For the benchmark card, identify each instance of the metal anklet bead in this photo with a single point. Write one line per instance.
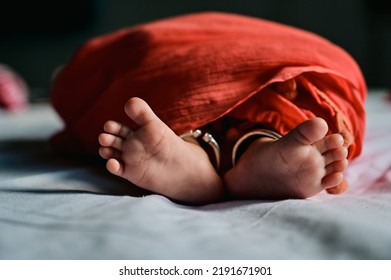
(243, 142)
(208, 139)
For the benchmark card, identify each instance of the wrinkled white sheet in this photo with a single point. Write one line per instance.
(53, 207)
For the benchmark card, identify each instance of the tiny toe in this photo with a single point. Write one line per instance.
(330, 142)
(340, 188)
(116, 128)
(337, 166)
(332, 180)
(114, 167)
(335, 155)
(104, 152)
(109, 140)
(107, 153)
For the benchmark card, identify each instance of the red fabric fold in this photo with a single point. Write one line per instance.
(194, 69)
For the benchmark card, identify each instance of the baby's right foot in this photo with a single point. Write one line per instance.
(153, 157)
(299, 165)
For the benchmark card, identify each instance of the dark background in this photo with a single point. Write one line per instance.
(38, 36)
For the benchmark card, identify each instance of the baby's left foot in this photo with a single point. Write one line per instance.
(299, 165)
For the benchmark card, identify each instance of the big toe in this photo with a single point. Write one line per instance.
(309, 132)
(139, 111)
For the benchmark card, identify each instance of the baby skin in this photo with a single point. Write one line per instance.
(301, 164)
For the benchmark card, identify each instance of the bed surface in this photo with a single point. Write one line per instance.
(54, 207)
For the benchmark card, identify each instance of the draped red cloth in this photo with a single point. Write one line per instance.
(196, 68)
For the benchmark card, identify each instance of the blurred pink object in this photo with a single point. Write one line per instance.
(13, 90)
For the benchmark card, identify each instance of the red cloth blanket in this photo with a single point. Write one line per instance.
(194, 69)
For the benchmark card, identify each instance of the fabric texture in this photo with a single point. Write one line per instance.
(195, 69)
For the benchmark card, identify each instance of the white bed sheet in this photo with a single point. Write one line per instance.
(57, 208)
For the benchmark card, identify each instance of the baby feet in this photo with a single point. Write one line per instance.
(153, 157)
(299, 165)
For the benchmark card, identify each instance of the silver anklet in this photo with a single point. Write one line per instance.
(243, 142)
(207, 138)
